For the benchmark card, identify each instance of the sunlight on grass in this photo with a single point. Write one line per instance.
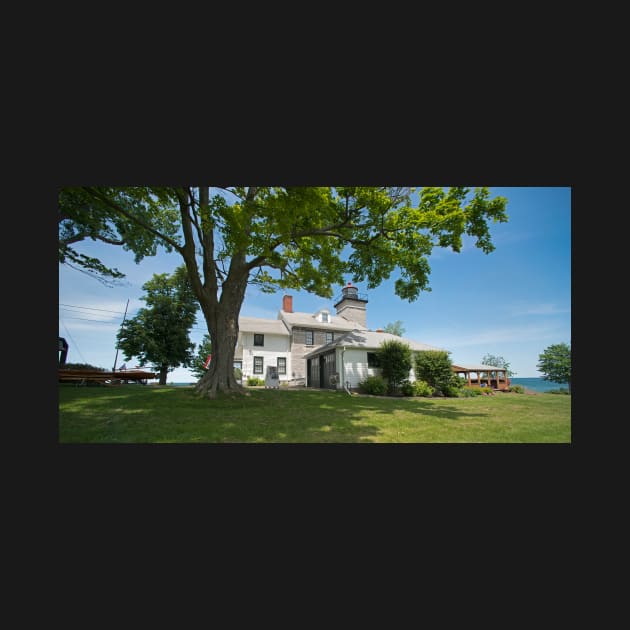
(176, 415)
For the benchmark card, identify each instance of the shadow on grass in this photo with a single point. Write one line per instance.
(176, 415)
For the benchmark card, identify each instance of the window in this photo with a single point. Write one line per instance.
(325, 317)
(309, 338)
(282, 365)
(258, 365)
(329, 337)
(373, 360)
(259, 340)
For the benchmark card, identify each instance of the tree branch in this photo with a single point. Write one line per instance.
(96, 194)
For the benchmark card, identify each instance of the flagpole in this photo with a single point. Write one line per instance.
(123, 321)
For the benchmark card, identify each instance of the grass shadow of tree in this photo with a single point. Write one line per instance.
(177, 415)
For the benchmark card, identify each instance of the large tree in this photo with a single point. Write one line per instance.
(81, 217)
(500, 362)
(159, 334)
(301, 238)
(555, 363)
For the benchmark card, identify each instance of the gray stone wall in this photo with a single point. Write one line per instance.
(299, 348)
(352, 312)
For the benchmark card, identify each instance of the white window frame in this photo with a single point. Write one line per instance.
(262, 365)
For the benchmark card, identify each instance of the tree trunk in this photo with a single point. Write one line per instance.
(163, 373)
(219, 376)
(222, 325)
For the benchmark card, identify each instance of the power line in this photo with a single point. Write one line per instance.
(105, 321)
(97, 321)
(89, 308)
(76, 312)
(73, 341)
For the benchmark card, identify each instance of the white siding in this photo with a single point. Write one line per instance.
(273, 343)
(275, 346)
(356, 367)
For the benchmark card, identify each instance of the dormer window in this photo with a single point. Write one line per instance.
(324, 317)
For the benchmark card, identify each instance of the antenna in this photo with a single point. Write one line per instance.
(123, 321)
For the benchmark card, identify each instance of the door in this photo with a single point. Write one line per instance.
(327, 367)
(312, 372)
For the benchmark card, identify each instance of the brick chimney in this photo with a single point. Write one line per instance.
(287, 303)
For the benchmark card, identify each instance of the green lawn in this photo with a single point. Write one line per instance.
(137, 414)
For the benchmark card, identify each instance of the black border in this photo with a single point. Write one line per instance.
(247, 153)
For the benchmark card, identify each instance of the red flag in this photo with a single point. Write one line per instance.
(207, 363)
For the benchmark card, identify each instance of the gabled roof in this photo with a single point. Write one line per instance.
(370, 341)
(309, 320)
(260, 325)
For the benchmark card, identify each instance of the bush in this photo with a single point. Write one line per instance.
(562, 390)
(81, 366)
(422, 388)
(407, 389)
(517, 389)
(451, 392)
(394, 358)
(253, 381)
(435, 367)
(471, 390)
(374, 385)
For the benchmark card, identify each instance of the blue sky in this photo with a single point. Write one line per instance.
(512, 303)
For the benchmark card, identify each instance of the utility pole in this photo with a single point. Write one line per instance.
(123, 321)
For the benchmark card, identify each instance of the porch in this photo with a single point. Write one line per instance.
(484, 376)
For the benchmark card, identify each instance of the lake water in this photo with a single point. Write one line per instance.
(537, 384)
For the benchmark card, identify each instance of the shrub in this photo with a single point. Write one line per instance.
(471, 390)
(395, 361)
(422, 388)
(517, 389)
(435, 367)
(561, 390)
(81, 366)
(450, 391)
(407, 388)
(374, 385)
(253, 381)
